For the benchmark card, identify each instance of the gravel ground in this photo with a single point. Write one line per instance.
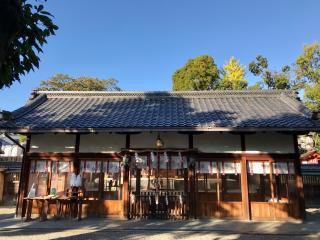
(97, 229)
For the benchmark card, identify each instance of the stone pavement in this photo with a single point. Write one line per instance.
(115, 228)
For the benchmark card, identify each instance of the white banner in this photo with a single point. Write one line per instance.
(229, 167)
(207, 167)
(140, 161)
(42, 166)
(113, 167)
(90, 166)
(178, 162)
(163, 161)
(283, 168)
(258, 167)
(64, 167)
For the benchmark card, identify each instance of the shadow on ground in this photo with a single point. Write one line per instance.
(107, 228)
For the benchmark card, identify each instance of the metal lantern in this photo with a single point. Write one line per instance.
(159, 142)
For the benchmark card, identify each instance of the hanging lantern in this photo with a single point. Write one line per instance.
(159, 142)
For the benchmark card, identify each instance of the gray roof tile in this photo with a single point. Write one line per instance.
(203, 110)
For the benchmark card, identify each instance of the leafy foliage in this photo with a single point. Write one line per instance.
(308, 71)
(270, 79)
(256, 86)
(20, 44)
(200, 73)
(233, 76)
(22, 139)
(63, 82)
(308, 64)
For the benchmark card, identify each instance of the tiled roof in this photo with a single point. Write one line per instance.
(10, 164)
(139, 111)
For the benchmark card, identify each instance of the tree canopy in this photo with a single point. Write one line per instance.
(233, 76)
(270, 79)
(308, 71)
(24, 29)
(63, 82)
(200, 73)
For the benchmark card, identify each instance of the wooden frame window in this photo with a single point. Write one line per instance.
(49, 177)
(38, 178)
(90, 171)
(112, 180)
(60, 177)
(165, 171)
(230, 175)
(283, 179)
(259, 184)
(221, 179)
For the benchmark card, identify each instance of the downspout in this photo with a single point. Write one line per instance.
(15, 142)
(22, 169)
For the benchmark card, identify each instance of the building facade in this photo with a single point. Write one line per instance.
(218, 154)
(10, 167)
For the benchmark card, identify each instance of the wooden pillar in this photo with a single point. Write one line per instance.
(191, 178)
(272, 189)
(24, 179)
(1, 186)
(76, 161)
(244, 182)
(125, 187)
(190, 141)
(299, 181)
(191, 193)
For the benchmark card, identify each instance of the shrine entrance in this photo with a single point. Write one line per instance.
(158, 185)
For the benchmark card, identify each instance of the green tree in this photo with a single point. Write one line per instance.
(256, 86)
(308, 71)
(24, 29)
(233, 76)
(200, 73)
(63, 82)
(270, 79)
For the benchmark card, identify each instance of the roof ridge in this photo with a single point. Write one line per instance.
(30, 105)
(213, 93)
(296, 105)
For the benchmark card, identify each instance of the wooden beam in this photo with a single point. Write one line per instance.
(299, 181)
(116, 155)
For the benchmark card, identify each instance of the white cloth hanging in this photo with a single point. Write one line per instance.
(75, 180)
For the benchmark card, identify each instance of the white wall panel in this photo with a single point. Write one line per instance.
(102, 142)
(269, 143)
(217, 142)
(50, 142)
(148, 140)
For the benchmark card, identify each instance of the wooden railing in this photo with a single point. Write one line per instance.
(162, 205)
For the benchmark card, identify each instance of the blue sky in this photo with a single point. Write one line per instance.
(142, 42)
